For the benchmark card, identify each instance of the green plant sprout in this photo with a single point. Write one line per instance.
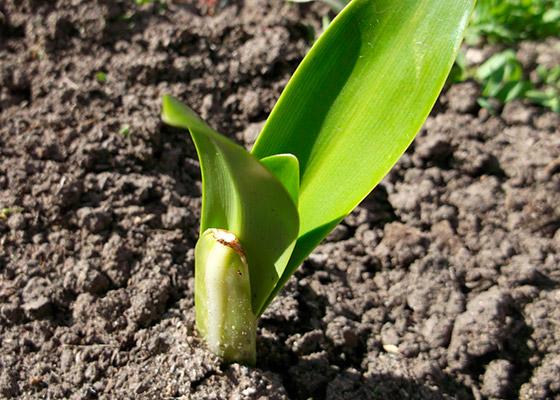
(349, 112)
(550, 95)
(6, 211)
(511, 20)
(501, 78)
(101, 76)
(125, 131)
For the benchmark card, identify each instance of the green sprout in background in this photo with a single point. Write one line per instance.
(501, 76)
(101, 76)
(550, 96)
(502, 79)
(125, 131)
(6, 211)
(349, 112)
(511, 20)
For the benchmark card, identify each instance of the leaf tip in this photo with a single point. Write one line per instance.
(179, 115)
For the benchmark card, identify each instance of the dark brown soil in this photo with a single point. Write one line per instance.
(443, 284)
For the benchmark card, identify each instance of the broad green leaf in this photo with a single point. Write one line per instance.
(357, 101)
(242, 196)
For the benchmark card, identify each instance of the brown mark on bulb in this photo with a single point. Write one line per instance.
(230, 240)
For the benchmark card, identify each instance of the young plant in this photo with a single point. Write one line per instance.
(501, 77)
(349, 112)
(6, 211)
(511, 20)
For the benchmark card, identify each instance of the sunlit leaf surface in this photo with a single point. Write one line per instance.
(357, 101)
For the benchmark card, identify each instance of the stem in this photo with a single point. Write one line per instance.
(224, 316)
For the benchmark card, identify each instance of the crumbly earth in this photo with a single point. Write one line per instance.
(443, 284)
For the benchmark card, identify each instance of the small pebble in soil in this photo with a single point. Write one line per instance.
(16, 221)
(177, 217)
(94, 219)
(496, 380)
(481, 329)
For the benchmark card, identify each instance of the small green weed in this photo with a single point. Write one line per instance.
(511, 20)
(101, 76)
(501, 77)
(125, 131)
(6, 211)
(550, 95)
(549, 76)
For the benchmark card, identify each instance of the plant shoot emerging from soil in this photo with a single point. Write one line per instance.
(349, 112)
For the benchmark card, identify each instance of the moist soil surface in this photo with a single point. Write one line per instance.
(442, 284)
